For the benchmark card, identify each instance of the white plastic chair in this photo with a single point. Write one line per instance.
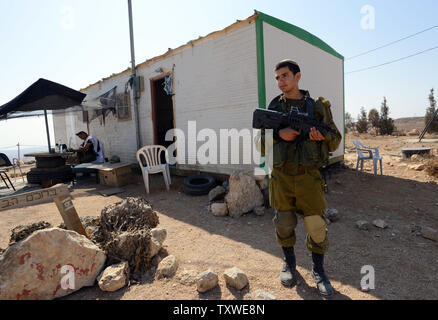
(152, 157)
(360, 148)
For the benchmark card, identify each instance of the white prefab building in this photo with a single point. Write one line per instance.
(217, 81)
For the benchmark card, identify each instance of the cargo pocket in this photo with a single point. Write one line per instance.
(311, 153)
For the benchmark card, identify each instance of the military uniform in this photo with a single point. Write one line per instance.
(296, 186)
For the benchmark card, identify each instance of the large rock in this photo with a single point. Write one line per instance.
(236, 278)
(114, 277)
(244, 195)
(167, 267)
(207, 280)
(31, 269)
(158, 235)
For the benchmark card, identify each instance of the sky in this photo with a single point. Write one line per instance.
(79, 42)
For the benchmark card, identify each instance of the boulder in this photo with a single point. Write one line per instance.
(114, 277)
(244, 195)
(167, 267)
(363, 225)
(236, 278)
(32, 268)
(429, 233)
(217, 193)
(219, 209)
(207, 280)
(21, 232)
(416, 157)
(158, 235)
(417, 167)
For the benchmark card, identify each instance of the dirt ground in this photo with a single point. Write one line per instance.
(405, 264)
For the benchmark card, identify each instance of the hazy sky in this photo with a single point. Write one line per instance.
(78, 42)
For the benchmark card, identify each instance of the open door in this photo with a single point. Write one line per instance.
(162, 113)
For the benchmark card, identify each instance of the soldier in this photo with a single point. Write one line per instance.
(296, 186)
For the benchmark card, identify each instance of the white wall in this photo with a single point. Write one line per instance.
(215, 84)
(322, 73)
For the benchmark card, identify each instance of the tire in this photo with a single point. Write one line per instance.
(198, 185)
(61, 168)
(39, 177)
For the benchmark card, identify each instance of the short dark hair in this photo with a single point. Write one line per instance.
(81, 132)
(292, 65)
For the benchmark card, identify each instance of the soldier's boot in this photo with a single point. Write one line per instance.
(287, 274)
(322, 282)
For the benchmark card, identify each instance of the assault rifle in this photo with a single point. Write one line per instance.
(299, 121)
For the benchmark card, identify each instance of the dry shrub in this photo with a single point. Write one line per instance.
(432, 167)
(124, 233)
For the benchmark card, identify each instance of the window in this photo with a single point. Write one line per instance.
(123, 106)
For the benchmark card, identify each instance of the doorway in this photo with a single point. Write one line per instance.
(162, 113)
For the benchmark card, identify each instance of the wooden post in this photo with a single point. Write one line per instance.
(59, 194)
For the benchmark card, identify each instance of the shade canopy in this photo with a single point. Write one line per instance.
(42, 95)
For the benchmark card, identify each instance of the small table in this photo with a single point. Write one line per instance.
(408, 152)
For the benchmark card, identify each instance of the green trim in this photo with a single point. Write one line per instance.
(261, 63)
(343, 88)
(296, 31)
(336, 159)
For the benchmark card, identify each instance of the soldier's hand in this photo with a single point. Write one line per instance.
(288, 134)
(315, 135)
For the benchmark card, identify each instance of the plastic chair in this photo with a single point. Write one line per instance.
(5, 165)
(152, 164)
(361, 149)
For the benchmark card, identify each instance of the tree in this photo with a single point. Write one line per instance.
(362, 121)
(430, 112)
(386, 124)
(349, 124)
(374, 118)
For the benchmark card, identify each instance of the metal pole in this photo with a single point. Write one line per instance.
(47, 129)
(134, 74)
(18, 145)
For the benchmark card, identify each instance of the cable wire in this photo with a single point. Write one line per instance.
(393, 61)
(391, 43)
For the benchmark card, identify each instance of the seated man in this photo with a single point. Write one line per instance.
(90, 150)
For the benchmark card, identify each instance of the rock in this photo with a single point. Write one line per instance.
(363, 225)
(416, 157)
(414, 132)
(332, 215)
(429, 233)
(31, 268)
(114, 277)
(244, 195)
(262, 295)
(167, 267)
(188, 277)
(379, 223)
(207, 280)
(417, 167)
(259, 211)
(158, 235)
(21, 232)
(263, 184)
(236, 278)
(219, 209)
(226, 185)
(217, 193)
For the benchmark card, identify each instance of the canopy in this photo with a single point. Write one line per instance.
(42, 95)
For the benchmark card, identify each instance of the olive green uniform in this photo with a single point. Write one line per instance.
(296, 186)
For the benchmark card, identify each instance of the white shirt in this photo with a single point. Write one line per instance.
(100, 157)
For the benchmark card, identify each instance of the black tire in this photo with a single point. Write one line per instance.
(198, 185)
(61, 168)
(44, 163)
(39, 177)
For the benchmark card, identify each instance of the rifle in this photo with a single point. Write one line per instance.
(299, 121)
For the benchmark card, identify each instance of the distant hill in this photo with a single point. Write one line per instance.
(408, 124)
